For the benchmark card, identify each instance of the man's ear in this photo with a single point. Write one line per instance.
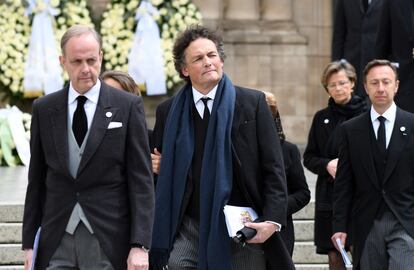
(397, 84)
(62, 61)
(184, 71)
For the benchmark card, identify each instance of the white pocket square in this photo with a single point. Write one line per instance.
(114, 125)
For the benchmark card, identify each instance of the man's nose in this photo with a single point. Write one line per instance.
(207, 61)
(85, 67)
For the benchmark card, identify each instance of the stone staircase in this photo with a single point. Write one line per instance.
(11, 255)
(304, 254)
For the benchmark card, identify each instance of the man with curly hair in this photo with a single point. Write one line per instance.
(218, 147)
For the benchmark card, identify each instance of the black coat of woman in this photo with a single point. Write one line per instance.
(323, 146)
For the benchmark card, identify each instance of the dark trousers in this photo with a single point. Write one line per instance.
(80, 251)
(184, 255)
(388, 246)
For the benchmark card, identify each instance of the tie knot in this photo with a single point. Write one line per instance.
(204, 100)
(81, 100)
(381, 119)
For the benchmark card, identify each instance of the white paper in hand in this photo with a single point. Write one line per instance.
(236, 216)
(344, 255)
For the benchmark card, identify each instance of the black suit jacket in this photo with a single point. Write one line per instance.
(354, 35)
(395, 42)
(114, 183)
(357, 192)
(257, 161)
(298, 190)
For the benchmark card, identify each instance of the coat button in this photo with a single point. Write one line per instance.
(383, 192)
(77, 194)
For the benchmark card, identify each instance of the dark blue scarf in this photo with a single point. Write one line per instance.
(215, 182)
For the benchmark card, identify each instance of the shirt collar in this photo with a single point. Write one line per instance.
(197, 95)
(389, 114)
(92, 94)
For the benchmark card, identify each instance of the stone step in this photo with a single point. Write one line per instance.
(305, 253)
(10, 233)
(11, 254)
(11, 212)
(14, 212)
(11, 267)
(310, 266)
(303, 230)
(307, 213)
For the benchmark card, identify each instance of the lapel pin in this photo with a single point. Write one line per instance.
(108, 114)
(402, 129)
(326, 121)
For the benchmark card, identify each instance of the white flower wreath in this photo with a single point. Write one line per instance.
(15, 35)
(118, 27)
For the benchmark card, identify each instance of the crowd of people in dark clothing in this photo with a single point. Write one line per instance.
(106, 193)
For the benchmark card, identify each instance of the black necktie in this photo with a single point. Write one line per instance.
(80, 123)
(206, 113)
(365, 4)
(381, 134)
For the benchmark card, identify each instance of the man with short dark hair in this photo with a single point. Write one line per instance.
(374, 186)
(218, 147)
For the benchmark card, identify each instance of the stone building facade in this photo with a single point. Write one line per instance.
(274, 45)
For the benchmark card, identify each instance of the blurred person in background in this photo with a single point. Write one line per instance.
(298, 190)
(354, 34)
(120, 80)
(395, 42)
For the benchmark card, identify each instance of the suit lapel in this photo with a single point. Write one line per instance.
(398, 140)
(103, 115)
(59, 119)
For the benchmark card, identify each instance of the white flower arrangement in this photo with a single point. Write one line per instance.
(9, 155)
(118, 28)
(15, 34)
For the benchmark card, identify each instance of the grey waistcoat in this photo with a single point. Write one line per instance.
(75, 155)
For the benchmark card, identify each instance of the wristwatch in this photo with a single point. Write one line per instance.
(144, 248)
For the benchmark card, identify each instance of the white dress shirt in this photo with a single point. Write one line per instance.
(389, 116)
(199, 103)
(90, 105)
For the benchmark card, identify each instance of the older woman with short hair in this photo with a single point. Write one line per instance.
(321, 154)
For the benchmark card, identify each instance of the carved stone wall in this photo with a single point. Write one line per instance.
(275, 45)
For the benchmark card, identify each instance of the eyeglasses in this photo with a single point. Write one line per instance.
(341, 84)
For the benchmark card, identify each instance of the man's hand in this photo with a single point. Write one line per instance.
(138, 259)
(264, 231)
(331, 167)
(156, 161)
(28, 255)
(340, 235)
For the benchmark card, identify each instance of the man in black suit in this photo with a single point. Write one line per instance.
(374, 186)
(354, 34)
(90, 181)
(395, 42)
(218, 147)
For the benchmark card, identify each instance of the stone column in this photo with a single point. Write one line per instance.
(279, 10)
(242, 9)
(212, 11)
